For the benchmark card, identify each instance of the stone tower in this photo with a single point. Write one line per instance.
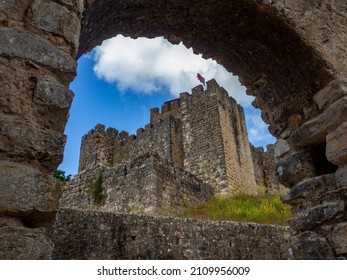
(216, 146)
(214, 137)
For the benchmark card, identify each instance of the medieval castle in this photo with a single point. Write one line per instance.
(196, 146)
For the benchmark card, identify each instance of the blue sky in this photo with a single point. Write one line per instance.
(118, 82)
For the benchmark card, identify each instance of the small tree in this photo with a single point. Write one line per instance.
(60, 175)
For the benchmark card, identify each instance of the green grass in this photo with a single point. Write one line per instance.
(264, 209)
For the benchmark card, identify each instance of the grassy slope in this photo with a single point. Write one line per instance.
(264, 209)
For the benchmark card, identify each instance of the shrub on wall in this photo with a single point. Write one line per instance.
(95, 185)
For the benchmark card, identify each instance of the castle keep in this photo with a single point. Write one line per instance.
(193, 147)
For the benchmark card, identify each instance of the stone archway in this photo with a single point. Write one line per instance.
(290, 55)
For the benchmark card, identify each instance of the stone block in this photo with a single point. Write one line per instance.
(335, 90)
(281, 148)
(10, 221)
(26, 192)
(339, 237)
(14, 9)
(20, 243)
(75, 5)
(57, 19)
(53, 101)
(312, 189)
(26, 45)
(294, 168)
(51, 93)
(310, 245)
(22, 138)
(316, 129)
(341, 177)
(336, 150)
(316, 215)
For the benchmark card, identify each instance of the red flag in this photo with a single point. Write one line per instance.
(201, 78)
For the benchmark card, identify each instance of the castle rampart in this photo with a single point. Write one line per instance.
(111, 148)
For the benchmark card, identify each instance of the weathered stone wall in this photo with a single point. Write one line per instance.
(147, 184)
(111, 147)
(125, 236)
(265, 168)
(38, 44)
(172, 107)
(215, 142)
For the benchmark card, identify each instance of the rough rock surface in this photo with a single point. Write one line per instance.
(20, 243)
(38, 44)
(311, 246)
(340, 238)
(27, 193)
(336, 145)
(23, 44)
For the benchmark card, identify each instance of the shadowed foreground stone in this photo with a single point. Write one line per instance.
(104, 235)
(316, 215)
(22, 138)
(294, 168)
(313, 188)
(19, 243)
(340, 238)
(311, 246)
(336, 150)
(25, 192)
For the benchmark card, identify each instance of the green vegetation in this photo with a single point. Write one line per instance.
(264, 209)
(95, 186)
(60, 175)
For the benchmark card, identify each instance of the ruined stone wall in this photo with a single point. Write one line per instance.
(216, 146)
(265, 168)
(147, 184)
(125, 236)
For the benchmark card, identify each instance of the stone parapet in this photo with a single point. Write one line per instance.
(130, 236)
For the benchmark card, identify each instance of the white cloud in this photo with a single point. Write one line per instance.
(152, 65)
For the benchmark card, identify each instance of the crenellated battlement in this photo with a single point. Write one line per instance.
(172, 107)
(110, 147)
